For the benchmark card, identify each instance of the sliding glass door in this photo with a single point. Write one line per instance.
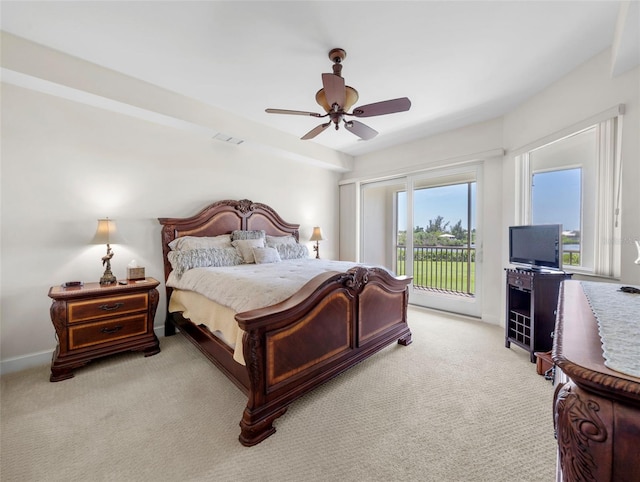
(444, 254)
(425, 226)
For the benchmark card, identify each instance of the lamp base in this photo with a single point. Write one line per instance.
(107, 279)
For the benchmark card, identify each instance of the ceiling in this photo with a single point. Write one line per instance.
(459, 62)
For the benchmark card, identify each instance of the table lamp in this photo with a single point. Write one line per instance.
(106, 234)
(317, 237)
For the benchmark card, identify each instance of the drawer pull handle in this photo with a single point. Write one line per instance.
(112, 307)
(111, 330)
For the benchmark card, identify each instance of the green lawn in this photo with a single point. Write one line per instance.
(441, 275)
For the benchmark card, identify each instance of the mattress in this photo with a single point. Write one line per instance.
(252, 286)
(213, 296)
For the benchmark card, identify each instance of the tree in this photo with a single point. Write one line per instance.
(458, 231)
(437, 226)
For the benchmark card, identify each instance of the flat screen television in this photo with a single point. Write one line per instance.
(536, 246)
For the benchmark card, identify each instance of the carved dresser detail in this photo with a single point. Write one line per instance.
(596, 409)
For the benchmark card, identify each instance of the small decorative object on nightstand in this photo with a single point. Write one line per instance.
(317, 237)
(94, 320)
(134, 272)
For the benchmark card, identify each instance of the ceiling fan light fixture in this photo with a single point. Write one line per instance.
(351, 98)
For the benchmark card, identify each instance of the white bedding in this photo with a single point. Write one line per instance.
(219, 319)
(251, 286)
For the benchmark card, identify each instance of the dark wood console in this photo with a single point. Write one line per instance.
(596, 409)
(532, 298)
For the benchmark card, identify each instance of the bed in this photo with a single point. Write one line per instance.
(333, 322)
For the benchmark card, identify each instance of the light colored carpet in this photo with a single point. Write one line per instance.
(453, 406)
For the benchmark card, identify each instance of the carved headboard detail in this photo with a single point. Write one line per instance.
(223, 217)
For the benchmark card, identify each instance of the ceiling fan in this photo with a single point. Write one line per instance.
(336, 99)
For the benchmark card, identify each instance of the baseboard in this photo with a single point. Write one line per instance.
(484, 319)
(20, 363)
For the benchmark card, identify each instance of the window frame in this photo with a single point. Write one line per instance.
(604, 236)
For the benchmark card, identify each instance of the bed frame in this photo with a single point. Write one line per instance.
(335, 321)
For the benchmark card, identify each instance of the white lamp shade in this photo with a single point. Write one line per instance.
(106, 232)
(316, 235)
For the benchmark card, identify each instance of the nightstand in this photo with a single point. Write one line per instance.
(93, 321)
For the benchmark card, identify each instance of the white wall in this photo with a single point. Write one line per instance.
(66, 164)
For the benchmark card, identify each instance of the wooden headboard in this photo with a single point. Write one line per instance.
(224, 217)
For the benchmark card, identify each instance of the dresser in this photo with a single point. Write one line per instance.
(93, 321)
(596, 409)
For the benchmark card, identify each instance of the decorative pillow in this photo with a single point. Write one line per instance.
(273, 241)
(245, 248)
(256, 234)
(266, 255)
(184, 260)
(200, 242)
(292, 251)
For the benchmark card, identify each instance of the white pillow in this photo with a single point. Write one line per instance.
(273, 241)
(292, 251)
(252, 234)
(266, 255)
(245, 248)
(186, 259)
(200, 242)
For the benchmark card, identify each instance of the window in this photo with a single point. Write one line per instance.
(574, 180)
(556, 199)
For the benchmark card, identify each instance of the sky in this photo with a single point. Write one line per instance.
(450, 202)
(555, 199)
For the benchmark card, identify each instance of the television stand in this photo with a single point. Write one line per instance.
(532, 299)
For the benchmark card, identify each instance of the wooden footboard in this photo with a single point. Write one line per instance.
(334, 322)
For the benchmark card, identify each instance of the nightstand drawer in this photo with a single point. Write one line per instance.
(95, 333)
(106, 307)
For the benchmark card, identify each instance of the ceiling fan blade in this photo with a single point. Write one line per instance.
(315, 131)
(334, 89)
(293, 112)
(381, 108)
(361, 130)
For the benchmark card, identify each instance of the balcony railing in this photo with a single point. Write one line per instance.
(451, 268)
(571, 257)
(442, 268)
